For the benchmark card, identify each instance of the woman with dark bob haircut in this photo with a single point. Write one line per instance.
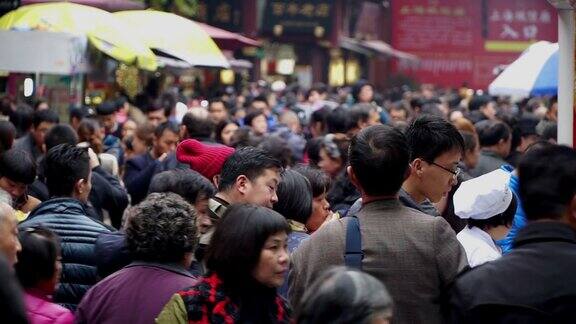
(295, 204)
(38, 270)
(342, 296)
(246, 260)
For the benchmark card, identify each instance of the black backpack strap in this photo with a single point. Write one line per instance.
(353, 255)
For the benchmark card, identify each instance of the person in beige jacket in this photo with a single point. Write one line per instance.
(415, 255)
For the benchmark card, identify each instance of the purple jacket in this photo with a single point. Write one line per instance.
(136, 294)
(40, 310)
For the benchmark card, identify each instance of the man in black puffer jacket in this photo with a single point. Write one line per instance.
(68, 174)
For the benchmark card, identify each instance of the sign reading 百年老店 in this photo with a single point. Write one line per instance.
(299, 17)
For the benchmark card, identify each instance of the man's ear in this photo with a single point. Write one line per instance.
(242, 184)
(216, 181)
(353, 178)
(183, 131)
(80, 187)
(416, 167)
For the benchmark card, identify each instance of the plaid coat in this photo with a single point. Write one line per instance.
(207, 303)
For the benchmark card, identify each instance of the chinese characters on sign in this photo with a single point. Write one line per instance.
(281, 8)
(461, 41)
(519, 24)
(303, 17)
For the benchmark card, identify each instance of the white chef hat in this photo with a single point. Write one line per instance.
(483, 197)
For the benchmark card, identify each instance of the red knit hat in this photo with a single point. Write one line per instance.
(205, 159)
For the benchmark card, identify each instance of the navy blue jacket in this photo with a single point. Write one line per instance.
(68, 218)
(107, 193)
(140, 170)
(534, 283)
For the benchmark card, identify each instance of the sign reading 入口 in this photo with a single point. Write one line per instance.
(463, 41)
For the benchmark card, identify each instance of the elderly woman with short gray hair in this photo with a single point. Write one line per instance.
(343, 296)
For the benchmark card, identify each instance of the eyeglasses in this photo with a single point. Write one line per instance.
(455, 173)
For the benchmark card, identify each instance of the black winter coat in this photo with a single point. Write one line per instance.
(535, 283)
(68, 218)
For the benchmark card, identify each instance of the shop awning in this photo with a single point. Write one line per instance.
(108, 5)
(228, 40)
(174, 35)
(375, 47)
(173, 62)
(103, 30)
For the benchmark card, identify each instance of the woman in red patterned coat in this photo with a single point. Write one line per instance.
(247, 261)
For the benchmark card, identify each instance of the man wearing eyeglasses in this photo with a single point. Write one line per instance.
(436, 148)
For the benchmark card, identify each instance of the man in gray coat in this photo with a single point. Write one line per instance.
(415, 255)
(495, 139)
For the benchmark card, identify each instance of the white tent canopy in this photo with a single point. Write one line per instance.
(43, 52)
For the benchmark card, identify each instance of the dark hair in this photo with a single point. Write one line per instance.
(320, 88)
(80, 112)
(38, 102)
(294, 197)
(7, 135)
(470, 140)
(46, 115)
(359, 113)
(319, 180)
(161, 229)
(189, 184)
(400, 106)
(155, 105)
(431, 136)
(196, 126)
(239, 238)
(506, 218)
(64, 165)
(6, 103)
(358, 87)
(547, 181)
(86, 130)
(340, 295)
(60, 134)
(120, 102)
(313, 150)
(167, 126)
(145, 132)
(261, 99)
(278, 148)
(416, 103)
(18, 166)
(320, 116)
(337, 121)
(248, 161)
(22, 118)
(220, 127)
(379, 157)
(251, 116)
(219, 99)
(477, 102)
(491, 132)
(37, 259)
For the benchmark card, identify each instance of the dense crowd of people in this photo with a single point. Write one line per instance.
(288, 206)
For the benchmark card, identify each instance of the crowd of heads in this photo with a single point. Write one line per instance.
(282, 161)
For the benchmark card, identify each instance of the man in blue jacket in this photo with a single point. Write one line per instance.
(141, 169)
(68, 177)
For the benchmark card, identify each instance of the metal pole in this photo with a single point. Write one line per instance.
(566, 29)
